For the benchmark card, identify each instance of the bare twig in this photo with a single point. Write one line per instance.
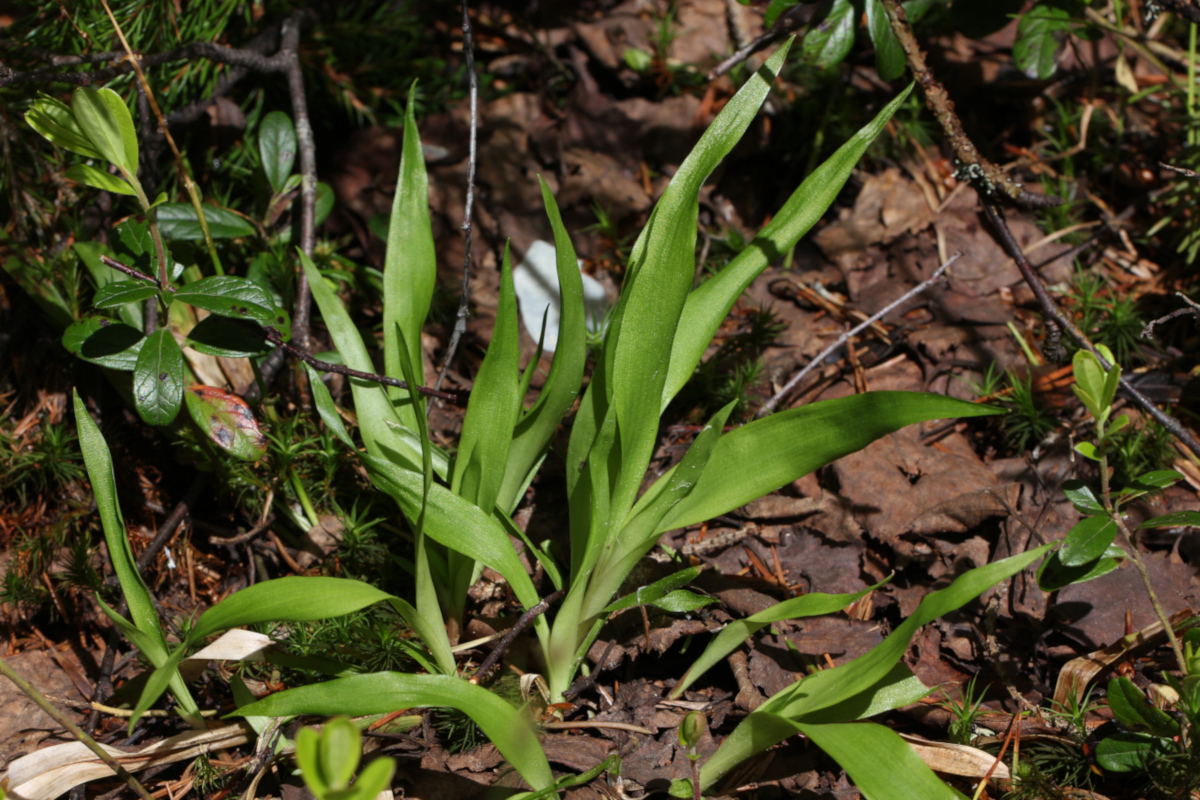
(583, 684)
(973, 164)
(1054, 318)
(788, 22)
(1193, 310)
(771, 404)
(130, 271)
(493, 658)
(324, 366)
(62, 719)
(460, 320)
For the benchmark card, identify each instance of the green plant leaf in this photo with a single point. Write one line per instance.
(732, 635)
(804, 702)
(1039, 38)
(374, 778)
(1129, 706)
(410, 265)
(102, 128)
(681, 601)
(339, 751)
(158, 379)
(533, 433)
(1082, 497)
(1177, 519)
(308, 743)
(375, 411)
(659, 276)
(230, 296)
(134, 235)
(653, 592)
(119, 293)
(224, 338)
(770, 17)
(487, 428)
(830, 41)
(1129, 751)
(54, 119)
(179, 221)
(290, 599)
(323, 202)
(758, 458)
(709, 304)
(326, 408)
(1087, 541)
(889, 55)
(381, 692)
(124, 119)
(276, 148)
(104, 342)
(99, 179)
(1054, 575)
(227, 420)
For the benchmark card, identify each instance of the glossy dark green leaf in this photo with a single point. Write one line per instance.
(1129, 706)
(104, 129)
(1082, 497)
(179, 221)
(1177, 519)
(225, 338)
(775, 10)
(277, 147)
(54, 119)
(1156, 480)
(230, 296)
(158, 379)
(889, 55)
(1087, 541)
(134, 235)
(830, 41)
(227, 420)
(1040, 35)
(1129, 751)
(1054, 575)
(99, 179)
(105, 342)
(118, 293)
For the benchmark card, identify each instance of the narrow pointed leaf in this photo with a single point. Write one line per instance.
(54, 119)
(99, 179)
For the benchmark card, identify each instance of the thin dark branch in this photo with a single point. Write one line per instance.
(324, 366)
(771, 404)
(1193, 310)
(308, 171)
(1054, 317)
(583, 684)
(788, 22)
(460, 320)
(1188, 9)
(972, 162)
(130, 271)
(506, 641)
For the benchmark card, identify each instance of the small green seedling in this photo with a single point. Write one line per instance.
(328, 760)
(691, 731)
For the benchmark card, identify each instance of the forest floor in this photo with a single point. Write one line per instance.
(921, 505)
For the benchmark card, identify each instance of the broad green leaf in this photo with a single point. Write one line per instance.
(276, 148)
(709, 304)
(104, 342)
(492, 410)
(827, 43)
(758, 458)
(179, 221)
(651, 593)
(1087, 541)
(1054, 575)
(1082, 497)
(102, 128)
(455, 522)
(1129, 706)
(732, 635)
(230, 296)
(339, 751)
(134, 235)
(775, 9)
(217, 336)
(1130, 751)
(660, 274)
(382, 692)
(227, 421)
(804, 701)
(1040, 36)
(54, 119)
(124, 119)
(375, 411)
(99, 179)
(118, 293)
(879, 762)
(1155, 480)
(681, 601)
(98, 461)
(1176, 519)
(410, 265)
(534, 431)
(158, 379)
(889, 55)
(291, 599)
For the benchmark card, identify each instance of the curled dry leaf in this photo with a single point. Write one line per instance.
(227, 420)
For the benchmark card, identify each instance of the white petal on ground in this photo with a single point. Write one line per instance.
(536, 282)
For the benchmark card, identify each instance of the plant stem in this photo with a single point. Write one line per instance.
(1193, 133)
(33, 694)
(314, 519)
(1135, 556)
